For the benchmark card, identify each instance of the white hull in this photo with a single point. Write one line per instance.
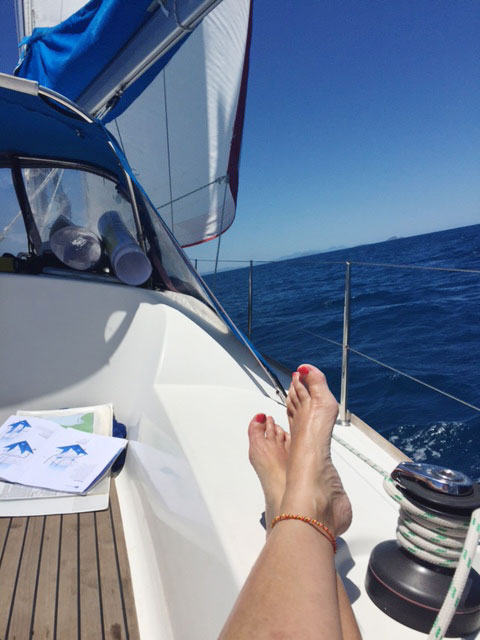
(186, 388)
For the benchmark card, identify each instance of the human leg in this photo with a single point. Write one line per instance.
(292, 591)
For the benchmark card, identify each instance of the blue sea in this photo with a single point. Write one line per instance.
(425, 323)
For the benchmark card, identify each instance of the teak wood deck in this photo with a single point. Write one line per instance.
(66, 577)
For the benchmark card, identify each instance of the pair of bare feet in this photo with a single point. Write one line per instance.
(296, 470)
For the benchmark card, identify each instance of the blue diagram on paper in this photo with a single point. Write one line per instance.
(76, 448)
(17, 427)
(23, 446)
(15, 452)
(68, 455)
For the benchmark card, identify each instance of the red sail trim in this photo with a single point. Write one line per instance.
(194, 244)
(236, 144)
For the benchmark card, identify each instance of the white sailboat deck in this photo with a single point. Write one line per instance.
(186, 388)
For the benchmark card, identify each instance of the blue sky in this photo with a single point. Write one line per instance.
(362, 123)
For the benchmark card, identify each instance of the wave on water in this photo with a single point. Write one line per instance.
(423, 322)
(440, 441)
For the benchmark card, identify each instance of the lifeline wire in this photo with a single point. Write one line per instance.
(440, 541)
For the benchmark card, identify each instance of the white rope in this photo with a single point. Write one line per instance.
(436, 539)
(443, 541)
(455, 590)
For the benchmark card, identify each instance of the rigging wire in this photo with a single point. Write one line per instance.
(120, 137)
(168, 149)
(220, 232)
(218, 180)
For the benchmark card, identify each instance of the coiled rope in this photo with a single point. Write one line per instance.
(444, 541)
(438, 540)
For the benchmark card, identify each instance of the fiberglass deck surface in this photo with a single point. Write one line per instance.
(66, 577)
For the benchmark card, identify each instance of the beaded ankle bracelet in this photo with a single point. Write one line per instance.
(319, 526)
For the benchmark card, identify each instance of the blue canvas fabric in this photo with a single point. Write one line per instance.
(35, 127)
(70, 55)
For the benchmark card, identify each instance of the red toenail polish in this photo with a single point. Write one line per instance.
(303, 371)
(260, 417)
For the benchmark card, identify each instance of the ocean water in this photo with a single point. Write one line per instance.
(423, 322)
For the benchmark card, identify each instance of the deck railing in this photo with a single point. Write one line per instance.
(344, 414)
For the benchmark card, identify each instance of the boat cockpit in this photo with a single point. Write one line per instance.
(76, 232)
(70, 202)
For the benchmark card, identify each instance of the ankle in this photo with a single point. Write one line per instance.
(298, 502)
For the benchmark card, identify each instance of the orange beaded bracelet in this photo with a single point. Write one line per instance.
(319, 526)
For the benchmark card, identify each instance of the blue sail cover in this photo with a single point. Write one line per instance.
(69, 56)
(169, 78)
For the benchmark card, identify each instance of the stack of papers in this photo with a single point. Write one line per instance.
(40, 453)
(51, 459)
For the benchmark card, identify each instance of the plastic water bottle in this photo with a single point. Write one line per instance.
(77, 247)
(129, 262)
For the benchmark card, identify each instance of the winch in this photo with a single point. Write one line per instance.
(410, 577)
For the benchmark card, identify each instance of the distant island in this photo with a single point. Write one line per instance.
(313, 252)
(302, 254)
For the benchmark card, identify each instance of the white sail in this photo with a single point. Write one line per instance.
(182, 134)
(177, 135)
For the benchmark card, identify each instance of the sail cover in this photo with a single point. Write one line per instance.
(171, 87)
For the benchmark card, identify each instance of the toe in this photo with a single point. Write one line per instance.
(279, 434)
(256, 428)
(312, 377)
(316, 383)
(270, 429)
(292, 392)
(300, 389)
(290, 405)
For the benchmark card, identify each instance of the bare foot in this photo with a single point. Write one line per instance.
(313, 485)
(268, 453)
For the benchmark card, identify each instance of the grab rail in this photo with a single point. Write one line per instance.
(344, 414)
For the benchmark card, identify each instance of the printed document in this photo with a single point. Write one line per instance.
(41, 453)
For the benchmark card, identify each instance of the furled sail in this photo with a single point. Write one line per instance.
(171, 87)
